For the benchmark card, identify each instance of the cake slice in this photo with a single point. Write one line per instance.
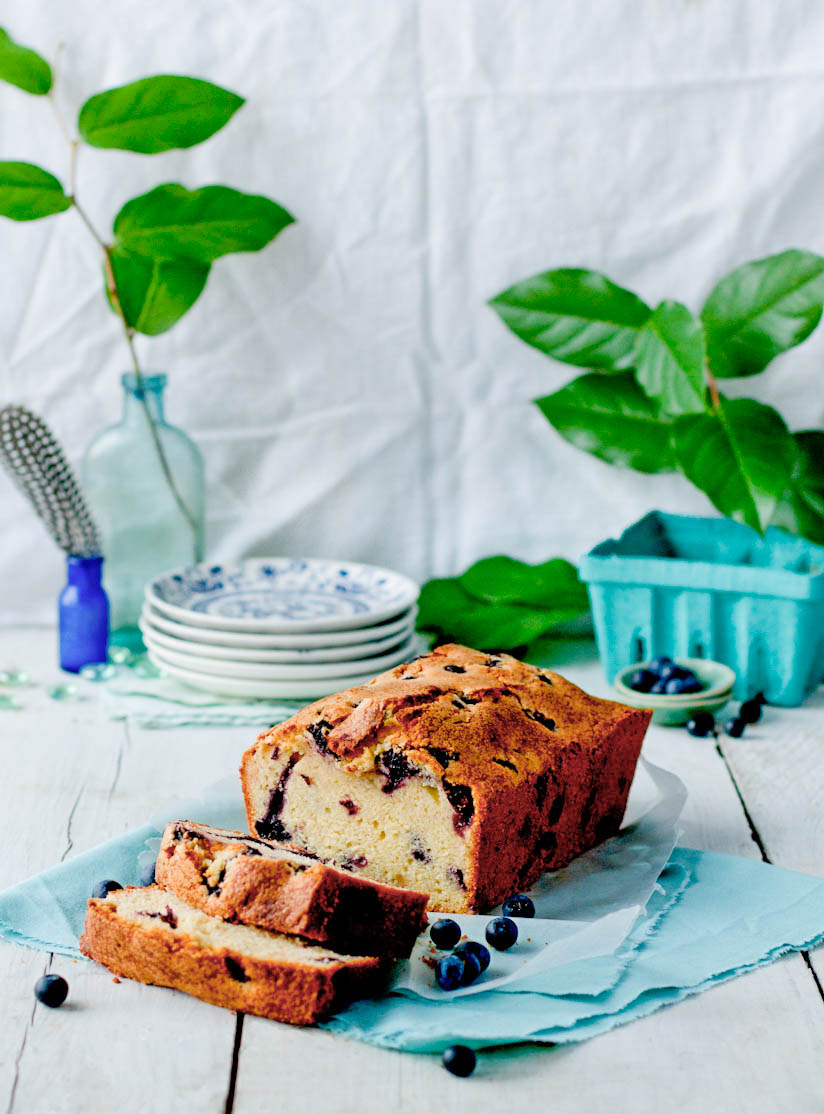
(148, 934)
(248, 880)
(463, 775)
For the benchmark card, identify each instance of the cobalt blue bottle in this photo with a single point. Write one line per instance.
(83, 611)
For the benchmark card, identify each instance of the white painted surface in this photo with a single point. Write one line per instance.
(72, 779)
(351, 391)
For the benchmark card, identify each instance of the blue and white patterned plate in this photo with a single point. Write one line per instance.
(282, 595)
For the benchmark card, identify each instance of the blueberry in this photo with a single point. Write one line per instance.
(642, 680)
(449, 971)
(445, 933)
(682, 685)
(519, 905)
(472, 947)
(657, 664)
(701, 724)
(501, 933)
(459, 1059)
(735, 727)
(147, 875)
(51, 990)
(659, 687)
(472, 967)
(750, 711)
(671, 670)
(104, 888)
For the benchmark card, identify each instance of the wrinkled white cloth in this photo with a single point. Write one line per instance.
(351, 391)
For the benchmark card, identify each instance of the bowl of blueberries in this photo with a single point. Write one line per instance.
(675, 688)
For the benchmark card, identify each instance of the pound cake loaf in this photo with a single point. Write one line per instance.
(148, 934)
(463, 775)
(271, 886)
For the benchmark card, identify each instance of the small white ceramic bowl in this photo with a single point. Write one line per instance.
(673, 710)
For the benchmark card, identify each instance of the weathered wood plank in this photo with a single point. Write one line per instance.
(80, 779)
(753, 1044)
(778, 766)
(741, 1046)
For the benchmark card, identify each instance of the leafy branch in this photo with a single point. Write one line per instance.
(165, 241)
(651, 400)
(502, 604)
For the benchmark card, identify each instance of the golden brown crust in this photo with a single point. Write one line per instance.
(548, 767)
(498, 699)
(290, 992)
(355, 916)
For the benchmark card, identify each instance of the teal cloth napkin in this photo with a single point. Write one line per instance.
(734, 914)
(157, 702)
(712, 917)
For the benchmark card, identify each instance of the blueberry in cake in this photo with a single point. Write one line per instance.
(461, 775)
(271, 886)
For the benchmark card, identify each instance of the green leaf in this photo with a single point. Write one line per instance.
(171, 222)
(741, 456)
(500, 603)
(155, 294)
(761, 309)
(612, 418)
(506, 580)
(27, 192)
(23, 67)
(669, 359)
(157, 114)
(801, 508)
(576, 316)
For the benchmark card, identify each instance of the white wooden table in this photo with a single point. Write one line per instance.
(71, 779)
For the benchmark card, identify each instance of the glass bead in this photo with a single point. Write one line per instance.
(121, 655)
(13, 677)
(63, 692)
(8, 703)
(145, 668)
(101, 671)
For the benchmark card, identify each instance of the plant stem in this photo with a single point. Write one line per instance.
(713, 386)
(129, 333)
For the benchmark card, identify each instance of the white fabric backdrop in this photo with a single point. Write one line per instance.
(351, 392)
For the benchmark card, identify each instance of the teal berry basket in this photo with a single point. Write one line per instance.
(712, 588)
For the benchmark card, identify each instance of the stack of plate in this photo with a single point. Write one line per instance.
(279, 627)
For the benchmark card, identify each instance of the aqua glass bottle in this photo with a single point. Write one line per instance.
(144, 482)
